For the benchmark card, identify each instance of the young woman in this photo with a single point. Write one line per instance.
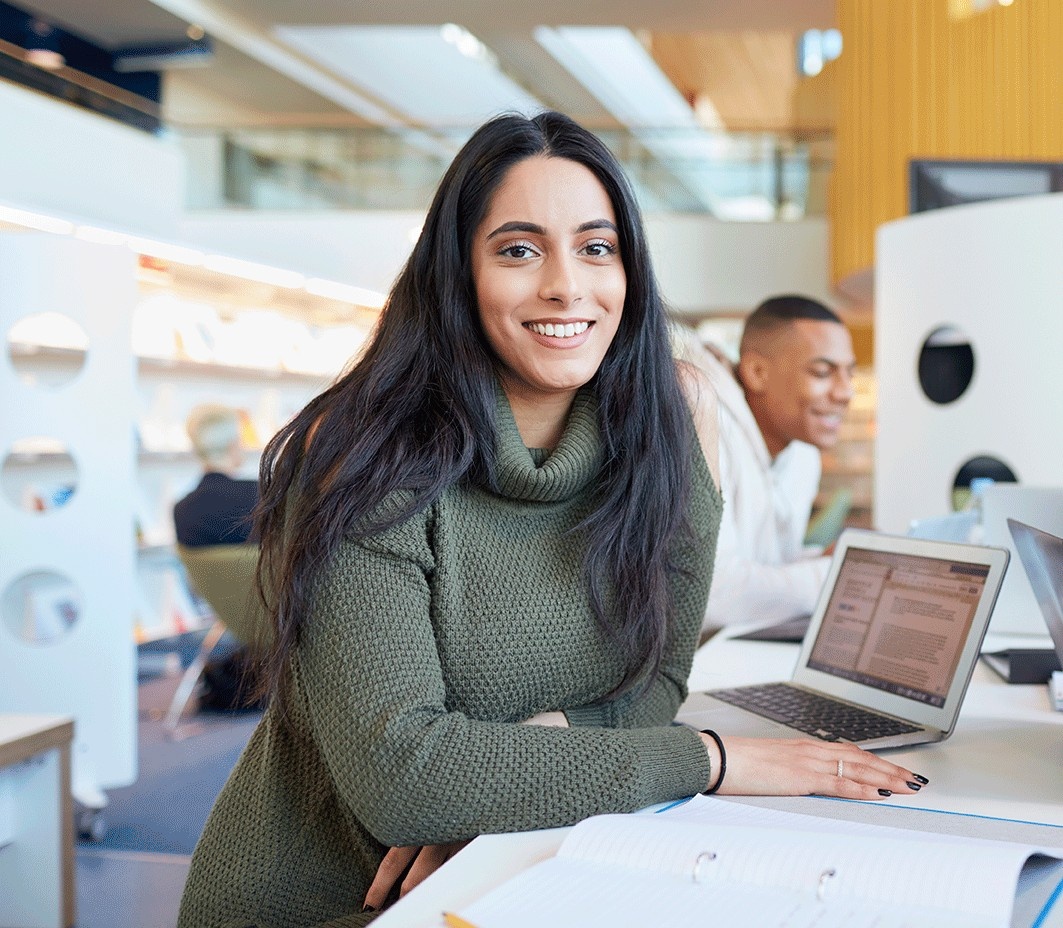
(504, 514)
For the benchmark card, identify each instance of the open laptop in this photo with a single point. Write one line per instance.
(1041, 554)
(889, 652)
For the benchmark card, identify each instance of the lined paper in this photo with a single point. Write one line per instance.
(759, 866)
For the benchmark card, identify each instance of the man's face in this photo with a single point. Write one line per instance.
(799, 382)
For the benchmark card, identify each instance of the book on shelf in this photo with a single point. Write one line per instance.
(709, 861)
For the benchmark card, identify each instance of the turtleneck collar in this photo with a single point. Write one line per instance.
(565, 471)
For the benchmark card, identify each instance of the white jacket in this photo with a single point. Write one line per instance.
(763, 571)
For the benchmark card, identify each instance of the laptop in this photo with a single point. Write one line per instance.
(1041, 554)
(889, 652)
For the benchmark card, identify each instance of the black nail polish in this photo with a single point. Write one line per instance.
(923, 780)
(913, 785)
(885, 792)
(368, 908)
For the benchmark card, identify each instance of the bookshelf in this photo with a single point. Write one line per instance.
(201, 336)
(67, 570)
(193, 336)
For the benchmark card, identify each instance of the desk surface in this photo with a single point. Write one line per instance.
(23, 736)
(1004, 760)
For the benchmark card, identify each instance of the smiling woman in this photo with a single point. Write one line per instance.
(550, 288)
(486, 551)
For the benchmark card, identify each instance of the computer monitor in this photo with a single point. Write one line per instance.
(1017, 611)
(933, 184)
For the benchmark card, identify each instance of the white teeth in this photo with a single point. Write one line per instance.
(559, 330)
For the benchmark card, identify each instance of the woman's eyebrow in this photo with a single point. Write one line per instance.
(596, 224)
(532, 229)
(517, 226)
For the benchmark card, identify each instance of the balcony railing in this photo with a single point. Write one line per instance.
(735, 176)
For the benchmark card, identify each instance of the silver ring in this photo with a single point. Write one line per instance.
(841, 768)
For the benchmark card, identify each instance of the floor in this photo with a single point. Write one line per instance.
(134, 876)
(128, 889)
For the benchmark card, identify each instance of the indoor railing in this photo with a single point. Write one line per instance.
(762, 176)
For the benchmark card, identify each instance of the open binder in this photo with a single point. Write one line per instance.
(714, 862)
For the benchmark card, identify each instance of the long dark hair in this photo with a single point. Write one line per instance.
(416, 414)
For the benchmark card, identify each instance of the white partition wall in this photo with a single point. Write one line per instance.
(993, 273)
(66, 525)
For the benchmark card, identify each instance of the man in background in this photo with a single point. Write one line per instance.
(218, 511)
(779, 407)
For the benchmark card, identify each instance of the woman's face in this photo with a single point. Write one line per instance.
(549, 278)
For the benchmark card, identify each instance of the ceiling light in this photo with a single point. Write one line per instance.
(42, 45)
(45, 58)
(21, 217)
(100, 236)
(466, 43)
(250, 270)
(345, 293)
(167, 251)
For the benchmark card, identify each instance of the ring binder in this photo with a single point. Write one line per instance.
(824, 878)
(769, 868)
(700, 868)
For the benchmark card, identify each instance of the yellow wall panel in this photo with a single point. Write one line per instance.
(917, 80)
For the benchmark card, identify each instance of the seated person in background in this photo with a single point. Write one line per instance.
(779, 408)
(486, 551)
(218, 511)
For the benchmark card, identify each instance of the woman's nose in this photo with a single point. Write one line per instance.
(561, 280)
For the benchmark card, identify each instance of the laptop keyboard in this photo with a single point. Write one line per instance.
(815, 715)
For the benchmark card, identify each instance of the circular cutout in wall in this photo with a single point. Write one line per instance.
(39, 474)
(41, 606)
(47, 349)
(982, 466)
(946, 364)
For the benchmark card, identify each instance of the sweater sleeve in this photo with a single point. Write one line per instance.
(658, 703)
(413, 772)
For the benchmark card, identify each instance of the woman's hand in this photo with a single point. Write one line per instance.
(398, 860)
(799, 767)
(417, 863)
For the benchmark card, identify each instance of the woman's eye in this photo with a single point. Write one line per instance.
(517, 251)
(599, 248)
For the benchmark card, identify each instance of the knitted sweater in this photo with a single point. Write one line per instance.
(425, 646)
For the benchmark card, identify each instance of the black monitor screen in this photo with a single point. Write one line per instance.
(934, 184)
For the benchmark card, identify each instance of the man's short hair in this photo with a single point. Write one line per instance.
(213, 429)
(778, 311)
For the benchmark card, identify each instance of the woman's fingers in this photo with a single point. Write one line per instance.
(428, 861)
(388, 874)
(770, 767)
(397, 862)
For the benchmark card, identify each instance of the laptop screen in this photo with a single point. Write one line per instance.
(899, 622)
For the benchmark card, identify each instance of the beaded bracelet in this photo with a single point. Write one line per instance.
(723, 762)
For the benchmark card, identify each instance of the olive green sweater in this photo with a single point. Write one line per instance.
(426, 645)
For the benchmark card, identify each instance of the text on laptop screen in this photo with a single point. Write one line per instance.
(898, 622)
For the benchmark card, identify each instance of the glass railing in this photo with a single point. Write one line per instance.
(734, 176)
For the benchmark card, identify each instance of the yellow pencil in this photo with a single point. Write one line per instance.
(456, 921)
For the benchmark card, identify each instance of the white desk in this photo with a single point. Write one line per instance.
(1005, 760)
(36, 822)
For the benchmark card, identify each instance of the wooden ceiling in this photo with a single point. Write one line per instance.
(748, 76)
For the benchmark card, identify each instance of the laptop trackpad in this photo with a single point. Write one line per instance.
(704, 711)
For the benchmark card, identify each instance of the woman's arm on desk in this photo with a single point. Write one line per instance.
(413, 865)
